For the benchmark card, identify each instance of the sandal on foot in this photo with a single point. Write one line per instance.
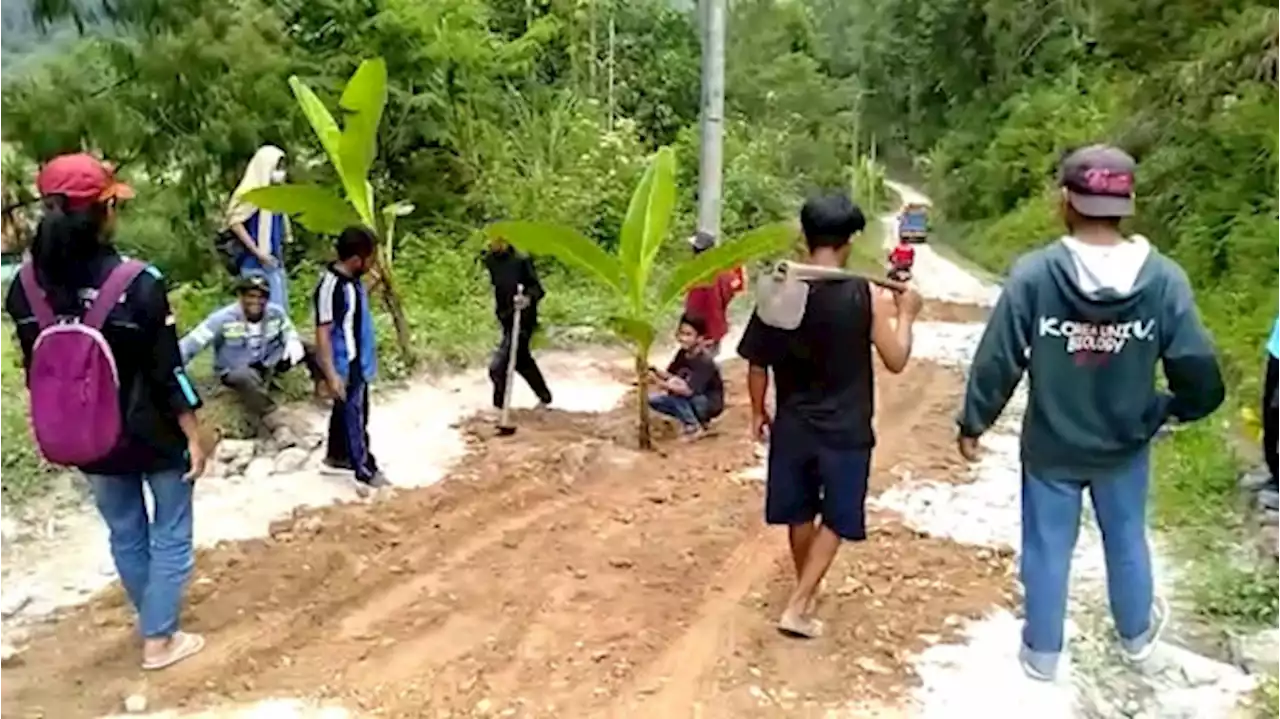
(181, 646)
(799, 627)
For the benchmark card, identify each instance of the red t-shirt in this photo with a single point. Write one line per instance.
(902, 256)
(711, 302)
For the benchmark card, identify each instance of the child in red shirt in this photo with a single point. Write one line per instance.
(901, 258)
(710, 302)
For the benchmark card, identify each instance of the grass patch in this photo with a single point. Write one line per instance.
(940, 236)
(1194, 487)
(23, 470)
(1265, 702)
(1195, 504)
(868, 254)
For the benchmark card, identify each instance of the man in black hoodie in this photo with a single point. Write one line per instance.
(510, 270)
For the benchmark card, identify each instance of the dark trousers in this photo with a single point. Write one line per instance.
(252, 384)
(1269, 410)
(525, 366)
(349, 429)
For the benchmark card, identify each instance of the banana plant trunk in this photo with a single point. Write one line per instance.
(642, 398)
(391, 300)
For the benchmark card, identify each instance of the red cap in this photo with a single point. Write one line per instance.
(83, 179)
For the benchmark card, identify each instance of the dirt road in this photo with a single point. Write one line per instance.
(558, 573)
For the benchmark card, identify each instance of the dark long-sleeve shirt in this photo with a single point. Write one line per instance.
(154, 387)
(507, 270)
(1091, 357)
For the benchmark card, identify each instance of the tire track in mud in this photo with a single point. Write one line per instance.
(557, 573)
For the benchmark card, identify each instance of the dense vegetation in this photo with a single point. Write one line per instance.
(982, 98)
(498, 109)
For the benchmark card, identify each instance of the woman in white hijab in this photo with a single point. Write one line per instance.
(262, 232)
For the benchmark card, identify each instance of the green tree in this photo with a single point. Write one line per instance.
(351, 151)
(628, 274)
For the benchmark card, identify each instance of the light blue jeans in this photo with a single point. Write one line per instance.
(1050, 525)
(691, 411)
(153, 555)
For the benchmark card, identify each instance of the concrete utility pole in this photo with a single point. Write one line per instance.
(711, 154)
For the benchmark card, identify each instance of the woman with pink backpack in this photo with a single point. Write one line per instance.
(108, 392)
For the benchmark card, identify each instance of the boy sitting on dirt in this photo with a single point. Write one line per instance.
(692, 390)
(1088, 318)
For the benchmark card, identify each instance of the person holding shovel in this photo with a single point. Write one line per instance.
(820, 439)
(515, 284)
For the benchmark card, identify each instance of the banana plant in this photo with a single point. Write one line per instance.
(351, 151)
(628, 275)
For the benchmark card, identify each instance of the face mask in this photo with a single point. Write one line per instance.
(277, 177)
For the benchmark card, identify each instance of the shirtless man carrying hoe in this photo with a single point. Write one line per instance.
(820, 440)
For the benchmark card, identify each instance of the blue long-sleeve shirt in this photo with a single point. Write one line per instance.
(239, 343)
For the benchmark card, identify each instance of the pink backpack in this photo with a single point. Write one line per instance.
(72, 380)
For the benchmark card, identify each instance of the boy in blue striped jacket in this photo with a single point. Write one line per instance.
(347, 354)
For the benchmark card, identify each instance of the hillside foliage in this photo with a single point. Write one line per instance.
(986, 96)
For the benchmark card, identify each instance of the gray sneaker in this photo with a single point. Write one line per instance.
(1041, 666)
(1140, 648)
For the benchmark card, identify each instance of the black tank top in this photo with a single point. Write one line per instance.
(822, 369)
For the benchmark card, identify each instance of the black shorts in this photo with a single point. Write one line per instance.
(807, 478)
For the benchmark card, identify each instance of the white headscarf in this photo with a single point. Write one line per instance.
(257, 174)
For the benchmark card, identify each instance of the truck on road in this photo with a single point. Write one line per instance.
(913, 223)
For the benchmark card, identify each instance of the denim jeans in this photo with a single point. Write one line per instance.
(1050, 525)
(691, 411)
(153, 555)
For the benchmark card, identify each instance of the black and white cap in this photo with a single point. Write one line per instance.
(702, 240)
(1099, 181)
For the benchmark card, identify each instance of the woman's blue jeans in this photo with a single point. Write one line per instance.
(153, 555)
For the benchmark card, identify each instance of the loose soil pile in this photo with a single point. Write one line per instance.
(556, 573)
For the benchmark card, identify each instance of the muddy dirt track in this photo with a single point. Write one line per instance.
(944, 311)
(557, 573)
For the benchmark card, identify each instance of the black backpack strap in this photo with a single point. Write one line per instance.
(112, 290)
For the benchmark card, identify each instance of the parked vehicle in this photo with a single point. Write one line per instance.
(913, 223)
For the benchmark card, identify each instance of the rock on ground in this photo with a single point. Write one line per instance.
(290, 460)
